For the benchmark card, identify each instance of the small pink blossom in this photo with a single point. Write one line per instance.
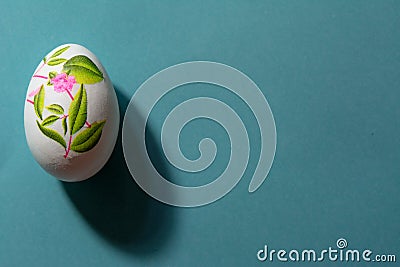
(34, 92)
(62, 82)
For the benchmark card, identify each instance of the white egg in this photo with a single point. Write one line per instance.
(71, 114)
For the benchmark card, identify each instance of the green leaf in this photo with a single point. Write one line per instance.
(56, 109)
(88, 138)
(44, 60)
(59, 51)
(83, 69)
(52, 74)
(50, 120)
(38, 102)
(52, 134)
(78, 111)
(64, 125)
(55, 61)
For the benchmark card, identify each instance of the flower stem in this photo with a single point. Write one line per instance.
(69, 147)
(39, 69)
(70, 95)
(30, 101)
(39, 76)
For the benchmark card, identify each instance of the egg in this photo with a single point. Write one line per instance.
(71, 114)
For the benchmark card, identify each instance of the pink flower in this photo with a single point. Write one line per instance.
(62, 82)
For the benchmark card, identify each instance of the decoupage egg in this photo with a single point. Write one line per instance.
(71, 114)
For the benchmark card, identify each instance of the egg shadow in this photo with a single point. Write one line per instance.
(117, 208)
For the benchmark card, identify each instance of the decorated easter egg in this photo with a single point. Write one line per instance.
(71, 114)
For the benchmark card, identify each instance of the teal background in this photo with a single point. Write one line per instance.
(331, 73)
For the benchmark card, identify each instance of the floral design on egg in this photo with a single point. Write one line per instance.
(78, 134)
